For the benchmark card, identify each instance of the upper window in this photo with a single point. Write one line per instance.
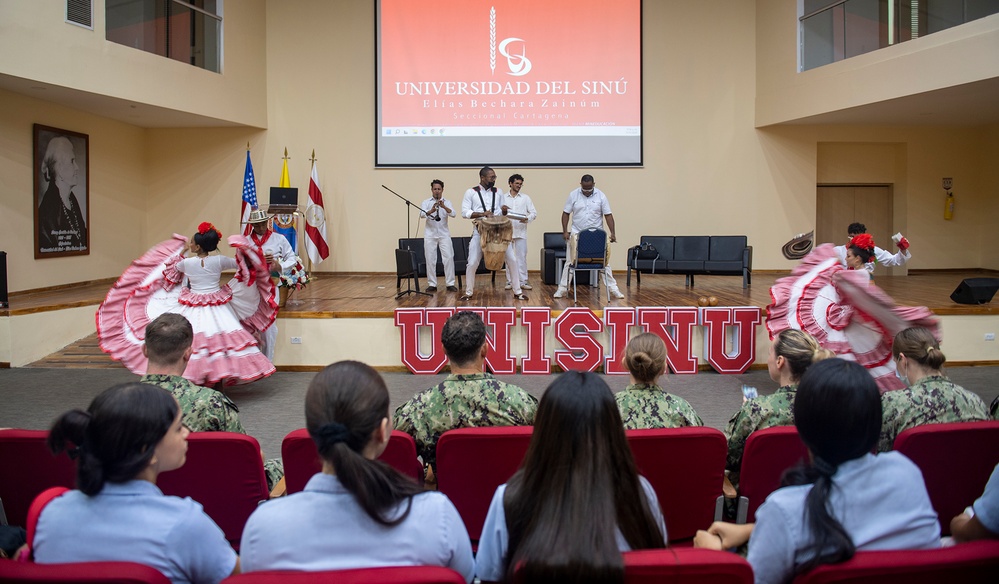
(836, 30)
(183, 30)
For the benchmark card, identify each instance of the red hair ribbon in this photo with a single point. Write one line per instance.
(863, 241)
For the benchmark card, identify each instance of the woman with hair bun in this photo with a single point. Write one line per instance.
(930, 397)
(846, 499)
(358, 512)
(577, 500)
(129, 434)
(860, 251)
(225, 317)
(644, 404)
(792, 352)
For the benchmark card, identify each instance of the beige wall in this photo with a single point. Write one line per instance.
(962, 54)
(37, 44)
(708, 169)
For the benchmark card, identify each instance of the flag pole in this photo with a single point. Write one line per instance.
(305, 245)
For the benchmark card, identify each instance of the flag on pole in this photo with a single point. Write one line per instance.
(315, 220)
(249, 194)
(285, 223)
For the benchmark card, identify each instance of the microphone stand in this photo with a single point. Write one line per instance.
(408, 289)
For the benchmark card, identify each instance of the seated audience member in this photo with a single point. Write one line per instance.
(358, 512)
(931, 398)
(577, 501)
(168, 348)
(791, 353)
(847, 499)
(129, 434)
(643, 404)
(468, 398)
(981, 520)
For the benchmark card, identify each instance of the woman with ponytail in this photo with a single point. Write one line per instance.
(931, 398)
(577, 500)
(847, 499)
(358, 512)
(129, 434)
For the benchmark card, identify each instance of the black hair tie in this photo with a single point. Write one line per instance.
(332, 433)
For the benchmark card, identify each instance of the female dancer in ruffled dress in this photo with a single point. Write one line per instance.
(225, 317)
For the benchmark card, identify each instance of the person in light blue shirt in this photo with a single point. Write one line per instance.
(981, 520)
(358, 512)
(129, 434)
(577, 501)
(847, 499)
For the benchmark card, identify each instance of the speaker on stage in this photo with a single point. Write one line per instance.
(3, 280)
(975, 290)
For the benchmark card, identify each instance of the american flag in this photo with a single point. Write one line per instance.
(249, 195)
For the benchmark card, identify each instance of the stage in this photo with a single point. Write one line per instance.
(352, 316)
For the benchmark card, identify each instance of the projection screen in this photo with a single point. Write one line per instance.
(508, 82)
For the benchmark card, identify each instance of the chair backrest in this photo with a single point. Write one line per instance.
(592, 246)
(662, 243)
(29, 468)
(686, 467)
(405, 263)
(225, 473)
(968, 563)
(12, 572)
(386, 575)
(472, 462)
(956, 460)
(554, 241)
(727, 247)
(690, 247)
(301, 459)
(686, 565)
(768, 453)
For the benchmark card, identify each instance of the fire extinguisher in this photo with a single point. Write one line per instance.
(949, 206)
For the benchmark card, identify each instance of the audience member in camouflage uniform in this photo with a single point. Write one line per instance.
(168, 349)
(468, 398)
(643, 404)
(931, 398)
(791, 353)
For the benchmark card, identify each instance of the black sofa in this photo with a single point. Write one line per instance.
(460, 244)
(690, 255)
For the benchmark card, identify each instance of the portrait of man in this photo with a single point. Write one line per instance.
(61, 193)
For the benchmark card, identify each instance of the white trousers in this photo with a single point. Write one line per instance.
(609, 280)
(430, 245)
(475, 256)
(269, 341)
(519, 246)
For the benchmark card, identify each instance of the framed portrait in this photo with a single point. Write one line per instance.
(62, 192)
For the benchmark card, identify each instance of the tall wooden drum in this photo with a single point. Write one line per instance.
(495, 234)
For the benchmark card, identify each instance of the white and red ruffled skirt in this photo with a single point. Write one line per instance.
(225, 321)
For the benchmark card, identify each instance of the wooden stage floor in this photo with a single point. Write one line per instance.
(333, 295)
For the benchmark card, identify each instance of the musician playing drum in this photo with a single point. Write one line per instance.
(436, 211)
(485, 200)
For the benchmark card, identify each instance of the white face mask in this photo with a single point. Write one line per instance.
(903, 378)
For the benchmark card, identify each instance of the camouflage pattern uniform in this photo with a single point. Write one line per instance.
(207, 410)
(462, 401)
(931, 400)
(758, 413)
(646, 405)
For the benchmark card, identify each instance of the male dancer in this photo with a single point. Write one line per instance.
(281, 259)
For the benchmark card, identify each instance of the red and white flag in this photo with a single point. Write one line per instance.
(315, 221)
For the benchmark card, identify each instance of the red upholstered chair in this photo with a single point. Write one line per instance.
(29, 468)
(472, 462)
(301, 460)
(686, 467)
(12, 572)
(391, 575)
(225, 473)
(686, 566)
(767, 454)
(968, 563)
(956, 459)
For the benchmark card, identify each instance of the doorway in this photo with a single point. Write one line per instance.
(837, 206)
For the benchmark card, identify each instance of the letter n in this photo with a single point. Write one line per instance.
(717, 322)
(584, 352)
(411, 320)
(675, 326)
